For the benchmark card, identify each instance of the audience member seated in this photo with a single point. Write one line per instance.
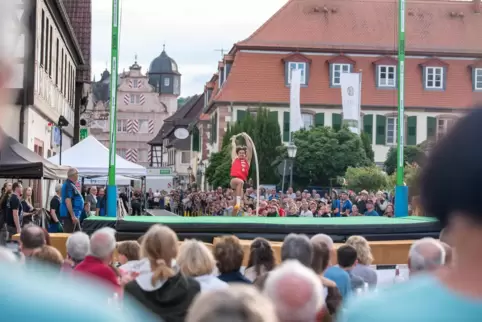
(31, 238)
(321, 259)
(347, 259)
(97, 263)
(128, 256)
(333, 272)
(238, 303)
(295, 291)
(229, 255)
(197, 261)
(426, 254)
(159, 287)
(365, 259)
(78, 247)
(49, 255)
(261, 259)
(296, 247)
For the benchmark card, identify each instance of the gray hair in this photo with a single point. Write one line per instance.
(103, 243)
(58, 187)
(78, 246)
(426, 254)
(323, 238)
(297, 247)
(294, 273)
(71, 172)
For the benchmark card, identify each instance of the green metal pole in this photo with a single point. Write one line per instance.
(111, 187)
(401, 192)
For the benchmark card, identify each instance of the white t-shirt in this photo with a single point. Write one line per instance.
(307, 213)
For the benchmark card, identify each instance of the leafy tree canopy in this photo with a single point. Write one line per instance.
(411, 154)
(366, 178)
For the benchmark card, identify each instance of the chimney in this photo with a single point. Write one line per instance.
(477, 6)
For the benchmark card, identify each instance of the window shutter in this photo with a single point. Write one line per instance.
(215, 130)
(241, 115)
(336, 121)
(195, 139)
(320, 119)
(273, 115)
(431, 127)
(368, 126)
(286, 126)
(381, 130)
(412, 130)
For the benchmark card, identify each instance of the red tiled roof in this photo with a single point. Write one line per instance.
(346, 25)
(260, 78)
(80, 15)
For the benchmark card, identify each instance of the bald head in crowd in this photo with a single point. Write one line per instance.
(426, 254)
(31, 238)
(296, 292)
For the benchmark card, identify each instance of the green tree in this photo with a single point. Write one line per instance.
(324, 153)
(366, 178)
(411, 180)
(411, 154)
(367, 146)
(266, 135)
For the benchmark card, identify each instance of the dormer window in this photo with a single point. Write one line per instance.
(477, 78)
(387, 75)
(434, 74)
(338, 65)
(300, 66)
(297, 61)
(166, 81)
(434, 77)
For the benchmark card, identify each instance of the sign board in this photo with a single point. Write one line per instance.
(84, 133)
(55, 136)
(159, 172)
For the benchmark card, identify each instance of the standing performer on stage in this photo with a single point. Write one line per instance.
(241, 160)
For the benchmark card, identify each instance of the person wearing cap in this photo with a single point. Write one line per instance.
(371, 209)
(361, 202)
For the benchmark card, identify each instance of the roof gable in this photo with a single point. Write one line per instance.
(366, 26)
(434, 62)
(341, 59)
(386, 60)
(296, 57)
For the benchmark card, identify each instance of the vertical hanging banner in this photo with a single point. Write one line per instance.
(296, 121)
(351, 100)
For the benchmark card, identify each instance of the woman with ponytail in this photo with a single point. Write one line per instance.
(261, 259)
(160, 286)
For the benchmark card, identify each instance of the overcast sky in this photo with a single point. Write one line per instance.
(191, 29)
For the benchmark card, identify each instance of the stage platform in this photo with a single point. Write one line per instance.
(205, 228)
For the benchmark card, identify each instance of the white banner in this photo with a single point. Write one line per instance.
(296, 121)
(351, 100)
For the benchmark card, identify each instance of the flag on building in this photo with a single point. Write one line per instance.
(296, 121)
(351, 100)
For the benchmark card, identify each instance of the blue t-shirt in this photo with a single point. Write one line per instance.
(346, 205)
(422, 299)
(372, 213)
(341, 279)
(334, 205)
(101, 201)
(37, 293)
(69, 190)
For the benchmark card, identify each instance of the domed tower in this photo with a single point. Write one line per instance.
(164, 75)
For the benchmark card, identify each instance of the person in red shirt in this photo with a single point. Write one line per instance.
(241, 160)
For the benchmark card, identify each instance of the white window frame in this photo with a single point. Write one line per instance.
(340, 68)
(143, 155)
(135, 98)
(167, 81)
(183, 154)
(147, 126)
(478, 75)
(308, 120)
(393, 141)
(121, 152)
(122, 126)
(387, 70)
(431, 72)
(135, 83)
(444, 125)
(297, 65)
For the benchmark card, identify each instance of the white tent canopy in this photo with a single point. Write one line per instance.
(91, 158)
(102, 181)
